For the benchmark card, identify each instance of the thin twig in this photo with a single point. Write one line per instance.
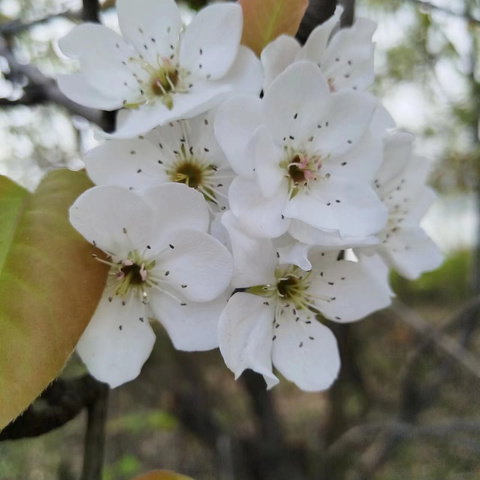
(46, 88)
(360, 433)
(91, 11)
(18, 26)
(348, 14)
(443, 341)
(95, 436)
(414, 399)
(318, 12)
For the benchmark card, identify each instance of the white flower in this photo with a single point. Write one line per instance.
(158, 72)
(302, 153)
(400, 183)
(184, 151)
(279, 319)
(163, 266)
(345, 56)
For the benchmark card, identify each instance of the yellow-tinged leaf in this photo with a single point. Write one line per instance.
(162, 475)
(49, 286)
(265, 20)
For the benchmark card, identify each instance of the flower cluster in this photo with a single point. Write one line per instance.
(242, 202)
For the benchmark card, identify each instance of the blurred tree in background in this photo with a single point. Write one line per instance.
(407, 404)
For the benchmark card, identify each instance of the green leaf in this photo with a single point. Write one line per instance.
(49, 286)
(162, 475)
(265, 20)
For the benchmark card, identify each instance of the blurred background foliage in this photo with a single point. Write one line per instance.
(428, 65)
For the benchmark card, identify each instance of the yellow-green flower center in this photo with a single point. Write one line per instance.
(195, 173)
(165, 81)
(132, 273)
(189, 172)
(291, 287)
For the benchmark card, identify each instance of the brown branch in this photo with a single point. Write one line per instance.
(264, 408)
(59, 403)
(89, 14)
(18, 26)
(438, 338)
(348, 14)
(269, 456)
(318, 12)
(414, 398)
(361, 433)
(91, 11)
(46, 89)
(95, 436)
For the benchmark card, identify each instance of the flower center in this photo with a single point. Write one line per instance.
(165, 81)
(190, 173)
(298, 170)
(292, 285)
(131, 272)
(196, 174)
(301, 169)
(135, 273)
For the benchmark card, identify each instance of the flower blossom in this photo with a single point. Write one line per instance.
(184, 151)
(157, 71)
(303, 156)
(163, 266)
(345, 55)
(278, 319)
(400, 183)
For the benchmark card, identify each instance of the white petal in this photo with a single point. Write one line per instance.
(267, 157)
(200, 267)
(254, 260)
(305, 353)
(352, 209)
(218, 230)
(342, 125)
(407, 194)
(169, 139)
(294, 253)
(201, 138)
(103, 56)
(113, 218)
(349, 57)
(200, 98)
(382, 122)
(175, 207)
(117, 341)
(76, 88)
(152, 26)
(419, 205)
(355, 289)
(397, 152)
(236, 121)
(316, 44)
(277, 56)
(294, 103)
(360, 163)
(246, 74)
(305, 233)
(192, 327)
(245, 336)
(128, 163)
(259, 216)
(411, 252)
(210, 43)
